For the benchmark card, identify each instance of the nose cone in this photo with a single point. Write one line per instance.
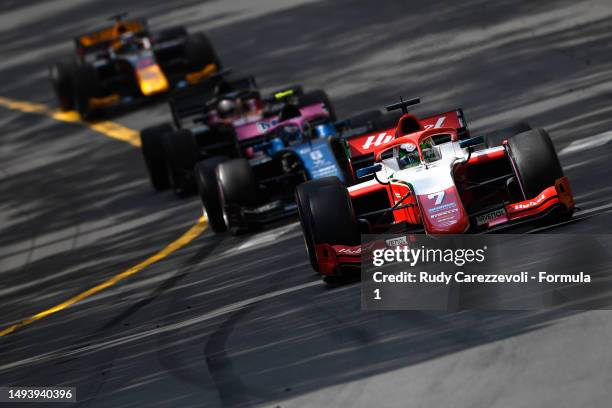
(152, 80)
(443, 212)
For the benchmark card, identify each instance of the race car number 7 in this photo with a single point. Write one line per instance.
(439, 196)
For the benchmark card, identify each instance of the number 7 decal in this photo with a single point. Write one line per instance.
(439, 196)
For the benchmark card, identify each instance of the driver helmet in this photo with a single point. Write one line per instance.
(226, 107)
(291, 134)
(127, 42)
(128, 37)
(408, 155)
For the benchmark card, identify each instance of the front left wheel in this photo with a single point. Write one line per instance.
(326, 215)
(86, 86)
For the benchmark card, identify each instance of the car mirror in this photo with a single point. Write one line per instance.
(471, 142)
(369, 170)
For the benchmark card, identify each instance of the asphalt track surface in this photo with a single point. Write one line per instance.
(236, 322)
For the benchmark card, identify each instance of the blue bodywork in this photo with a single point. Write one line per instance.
(318, 158)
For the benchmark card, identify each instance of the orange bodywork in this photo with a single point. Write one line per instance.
(151, 80)
(110, 33)
(103, 101)
(198, 76)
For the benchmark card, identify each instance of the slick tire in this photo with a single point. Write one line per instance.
(61, 75)
(208, 190)
(326, 215)
(237, 182)
(496, 137)
(171, 33)
(183, 153)
(200, 52)
(536, 161)
(86, 86)
(153, 152)
(319, 96)
(238, 189)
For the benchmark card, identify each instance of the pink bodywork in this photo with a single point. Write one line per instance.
(259, 127)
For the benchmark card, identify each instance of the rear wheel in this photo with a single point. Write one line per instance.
(200, 52)
(208, 190)
(319, 96)
(183, 152)
(326, 215)
(152, 140)
(238, 189)
(61, 75)
(171, 33)
(536, 161)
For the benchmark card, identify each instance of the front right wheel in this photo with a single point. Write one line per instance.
(238, 189)
(208, 190)
(536, 161)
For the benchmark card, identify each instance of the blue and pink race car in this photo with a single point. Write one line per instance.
(279, 152)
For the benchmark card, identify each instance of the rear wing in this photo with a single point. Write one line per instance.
(191, 105)
(101, 39)
(362, 142)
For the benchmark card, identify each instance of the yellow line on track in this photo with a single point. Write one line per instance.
(186, 238)
(119, 132)
(107, 128)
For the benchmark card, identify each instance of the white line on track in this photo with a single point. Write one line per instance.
(587, 143)
(267, 237)
(578, 215)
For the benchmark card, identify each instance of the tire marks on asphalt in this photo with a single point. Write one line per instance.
(118, 132)
(185, 239)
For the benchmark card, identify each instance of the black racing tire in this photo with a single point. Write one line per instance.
(171, 33)
(153, 152)
(387, 121)
(61, 75)
(536, 161)
(200, 52)
(302, 198)
(364, 119)
(318, 96)
(326, 215)
(208, 190)
(237, 182)
(86, 85)
(182, 153)
(496, 137)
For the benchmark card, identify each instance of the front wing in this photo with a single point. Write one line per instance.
(334, 259)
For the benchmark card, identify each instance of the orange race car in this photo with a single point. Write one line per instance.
(125, 62)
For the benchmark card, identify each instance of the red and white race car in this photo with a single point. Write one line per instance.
(430, 176)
